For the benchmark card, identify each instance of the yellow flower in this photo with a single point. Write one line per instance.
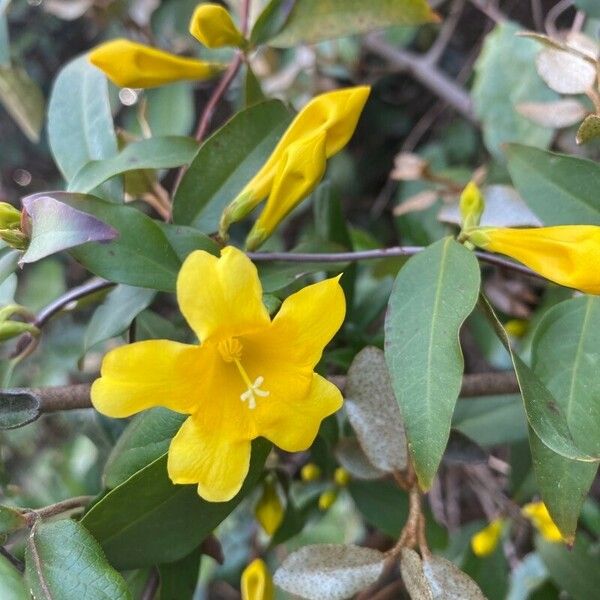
(341, 477)
(212, 26)
(256, 582)
(567, 254)
(471, 205)
(269, 510)
(538, 514)
(327, 499)
(250, 376)
(129, 64)
(334, 113)
(310, 472)
(484, 542)
(299, 171)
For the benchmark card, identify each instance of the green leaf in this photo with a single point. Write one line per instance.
(12, 586)
(315, 20)
(178, 579)
(153, 153)
(226, 162)
(506, 76)
(148, 520)
(574, 570)
(565, 356)
(141, 255)
(588, 130)
(18, 408)
(64, 562)
(9, 259)
(185, 240)
(253, 93)
(560, 189)
(80, 125)
(170, 109)
(120, 307)
(11, 520)
(4, 39)
(144, 440)
(22, 98)
(433, 294)
(544, 413)
(271, 20)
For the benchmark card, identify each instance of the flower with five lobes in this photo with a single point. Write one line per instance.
(250, 376)
(295, 162)
(566, 254)
(212, 26)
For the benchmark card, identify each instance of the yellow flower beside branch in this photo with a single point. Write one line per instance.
(249, 377)
(212, 26)
(256, 583)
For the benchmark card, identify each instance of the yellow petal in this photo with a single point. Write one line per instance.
(335, 113)
(538, 514)
(299, 171)
(269, 509)
(129, 64)
(472, 205)
(147, 374)
(292, 423)
(484, 542)
(212, 26)
(256, 582)
(221, 297)
(567, 254)
(202, 455)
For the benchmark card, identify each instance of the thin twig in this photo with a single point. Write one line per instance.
(18, 564)
(151, 586)
(489, 384)
(490, 10)
(436, 50)
(58, 508)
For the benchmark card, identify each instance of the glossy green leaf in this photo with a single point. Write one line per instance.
(11, 520)
(544, 414)
(144, 440)
(184, 240)
(18, 408)
(178, 579)
(433, 294)
(121, 305)
(152, 153)
(148, 520)
(64, 562)
(141, 254)
(226, 162)
(253, 93)
(560, 189)
(12, 586)
(80, 125)
(315, 20)
(271, 20)
(505, 76)
(22, 98)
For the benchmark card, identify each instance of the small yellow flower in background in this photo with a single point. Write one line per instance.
(471, 205)
(257, 583)
(269, 509)
(538, 514)
(249, 377)
(327, 499)
(310, 472)
(335, 113)
(341, 477)
(299, 171)
(129, 64)
(212, 26)
(516, 327)
(567, 254)
(484, 542)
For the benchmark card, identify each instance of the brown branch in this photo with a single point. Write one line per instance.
(489, 384)
(63, 397)
(58, 508)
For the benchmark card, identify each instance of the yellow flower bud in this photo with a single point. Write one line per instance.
(341, 477)
(567, 254)
(335, 113)
(538, 514)
(269, 510)
(310, 472)
(516, 327)
(10, 217)
(299, 171)
(212, 26)
(129, 64)
(256, 582)
(484, 542)
(326, 499)
(472, 206)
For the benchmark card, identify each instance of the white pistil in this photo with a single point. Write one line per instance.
(253, 391)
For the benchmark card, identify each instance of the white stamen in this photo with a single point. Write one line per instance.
(253, 391)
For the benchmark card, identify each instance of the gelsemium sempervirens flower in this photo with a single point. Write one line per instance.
(566, 254)
(485, 541)
(129, 64)
(269, 510)
(334, 113)
(257, 583)
(538, 514)
(249, 377)
(212, 26)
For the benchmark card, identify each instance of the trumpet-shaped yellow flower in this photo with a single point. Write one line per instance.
(334, 113)
(269, 510)
(212, 26)
(257, 583)
(484, 542)
(299, 171)
(129, 64)
(538, 514)
(250, 376)
(567, 254)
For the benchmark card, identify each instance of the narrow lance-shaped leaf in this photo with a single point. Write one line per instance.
(433, 295)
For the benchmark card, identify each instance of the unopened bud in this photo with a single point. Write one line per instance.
(326, 499)
(472, 206)
(341, 477)
(310, 472)
(13, 329)
(10, 217)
